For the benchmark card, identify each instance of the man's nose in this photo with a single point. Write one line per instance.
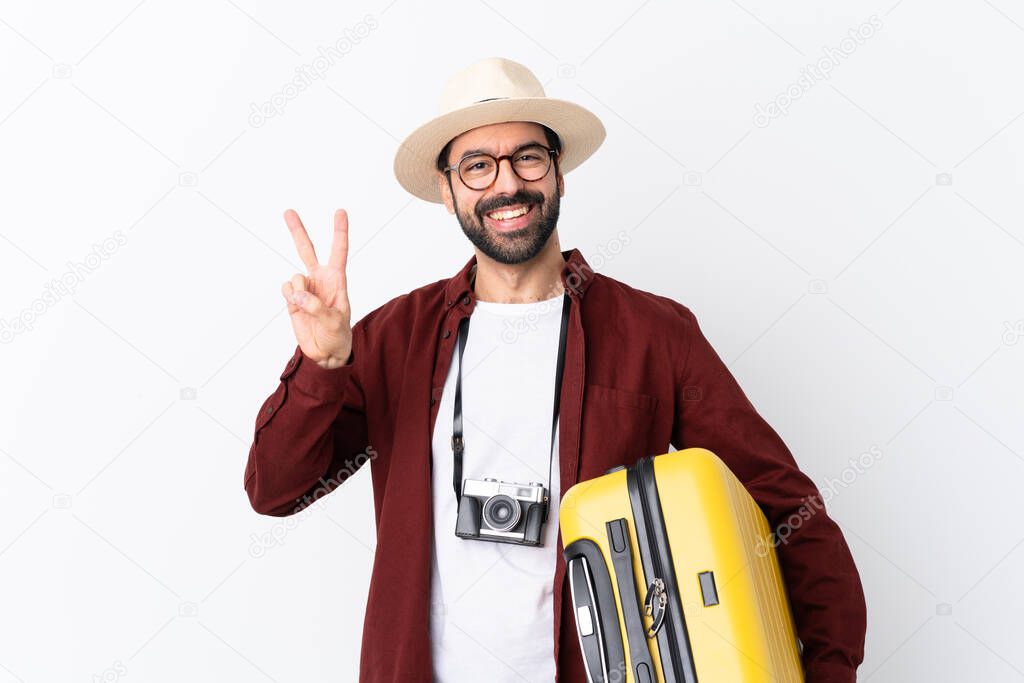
(507, 181)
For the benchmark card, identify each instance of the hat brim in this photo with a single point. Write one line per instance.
(415, 165)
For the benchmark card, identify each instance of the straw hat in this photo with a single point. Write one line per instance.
(493, 90)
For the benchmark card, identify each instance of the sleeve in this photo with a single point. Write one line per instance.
(821, 578)
(311, 433)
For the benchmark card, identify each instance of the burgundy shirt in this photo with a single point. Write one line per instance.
(639, 375)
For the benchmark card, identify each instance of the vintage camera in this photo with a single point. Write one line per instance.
(502, 511)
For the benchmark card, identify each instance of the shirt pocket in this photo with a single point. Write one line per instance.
(623, 398)
(616, 427)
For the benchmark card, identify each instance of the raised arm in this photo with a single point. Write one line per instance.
(311, 433)
(821, 578)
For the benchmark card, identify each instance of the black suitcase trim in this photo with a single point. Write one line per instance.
(622, 560)
(591, 587)
(656, 558)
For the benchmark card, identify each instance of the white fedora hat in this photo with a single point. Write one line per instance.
(493, 90)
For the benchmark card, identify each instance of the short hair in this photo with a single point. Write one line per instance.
(552, 139)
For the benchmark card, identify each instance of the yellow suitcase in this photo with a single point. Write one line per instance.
(674, 577)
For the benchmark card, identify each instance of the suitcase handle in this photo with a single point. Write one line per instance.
(625, 577)
(596, 615)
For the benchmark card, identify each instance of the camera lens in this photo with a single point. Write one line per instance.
(501, 512)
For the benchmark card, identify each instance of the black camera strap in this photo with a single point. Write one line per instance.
(458, 445)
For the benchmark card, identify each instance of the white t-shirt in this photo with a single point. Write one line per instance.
(491, 603)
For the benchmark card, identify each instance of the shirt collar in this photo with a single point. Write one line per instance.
(576, 277)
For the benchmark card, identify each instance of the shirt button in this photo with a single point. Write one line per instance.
(270, 409)
(291, 362)
(433, 401)
(465, 300)
(447, 333)
(450, 302)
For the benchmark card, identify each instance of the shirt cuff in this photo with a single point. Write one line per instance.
(309, 378)
(829, 672)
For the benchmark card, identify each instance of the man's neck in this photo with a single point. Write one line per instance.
(538, 279)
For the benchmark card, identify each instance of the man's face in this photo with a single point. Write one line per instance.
(510, 241)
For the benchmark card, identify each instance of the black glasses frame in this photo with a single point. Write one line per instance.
(497, 165)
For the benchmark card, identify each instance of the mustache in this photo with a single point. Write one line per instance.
(504, 202)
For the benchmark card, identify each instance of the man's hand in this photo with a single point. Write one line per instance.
(318, 302)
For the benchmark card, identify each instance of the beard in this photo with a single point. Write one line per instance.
(517, 246)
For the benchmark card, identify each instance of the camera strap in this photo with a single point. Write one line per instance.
(458, 445)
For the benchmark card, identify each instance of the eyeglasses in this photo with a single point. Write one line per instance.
(479, 171)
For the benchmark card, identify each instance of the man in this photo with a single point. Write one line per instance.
(395, 389)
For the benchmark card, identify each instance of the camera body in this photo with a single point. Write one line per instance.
(502, 511)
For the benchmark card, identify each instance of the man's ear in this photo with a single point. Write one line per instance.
(446, 191)
(561, 184)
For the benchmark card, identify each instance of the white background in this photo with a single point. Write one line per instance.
(856, 262)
